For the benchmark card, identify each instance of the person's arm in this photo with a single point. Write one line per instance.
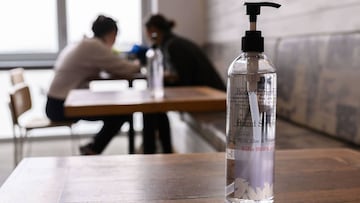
(109, 62)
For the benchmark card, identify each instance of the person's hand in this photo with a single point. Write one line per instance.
(170, 77)
(136, 62)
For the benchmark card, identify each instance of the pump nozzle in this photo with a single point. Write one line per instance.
(253, 9)
(253, 41)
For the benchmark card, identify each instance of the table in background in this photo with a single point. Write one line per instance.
(309, 175)
(84, 102)
(105, 76)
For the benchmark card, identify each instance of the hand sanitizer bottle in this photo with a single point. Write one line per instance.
(250, 119)
(155, 72)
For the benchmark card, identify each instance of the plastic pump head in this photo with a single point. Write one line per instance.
(253, 41)
(253, 9)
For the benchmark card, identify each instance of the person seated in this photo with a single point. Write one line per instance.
(139, 52)
(185, 65)
(83, 60)
(182, 58)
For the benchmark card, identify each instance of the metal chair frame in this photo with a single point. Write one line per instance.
(20, 103)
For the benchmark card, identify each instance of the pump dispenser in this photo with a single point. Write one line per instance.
(250, 119)
(253, 41)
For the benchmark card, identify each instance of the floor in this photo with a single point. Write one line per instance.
(289, 136)
(185, 141)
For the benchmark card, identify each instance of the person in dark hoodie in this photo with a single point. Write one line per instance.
(182, 57)
(185, 65)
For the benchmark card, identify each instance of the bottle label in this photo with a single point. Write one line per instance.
(243, 125)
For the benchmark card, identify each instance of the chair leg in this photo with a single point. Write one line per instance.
(18, 144)
(22, 138)
(15, 140)
(28, 142)
(74, 137)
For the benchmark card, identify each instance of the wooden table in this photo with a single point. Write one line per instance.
(85, 102)
(103, 75)
(301, 176)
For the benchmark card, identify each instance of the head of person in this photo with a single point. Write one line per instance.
(105, 28)
(157, 26)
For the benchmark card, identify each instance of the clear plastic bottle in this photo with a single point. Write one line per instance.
(250, 119)
(250, 130)
(155, 72)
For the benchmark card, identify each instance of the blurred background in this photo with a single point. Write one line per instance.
(315, 45)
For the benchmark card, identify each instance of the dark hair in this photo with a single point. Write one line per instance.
(103, 25)
(160, 22)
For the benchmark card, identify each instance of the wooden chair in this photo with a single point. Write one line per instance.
(17, 76)
(20, 103)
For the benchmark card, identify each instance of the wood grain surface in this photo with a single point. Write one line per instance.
(311, 175)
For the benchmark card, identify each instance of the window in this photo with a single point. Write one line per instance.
(33, 32)
(126, 13)
(28, 27)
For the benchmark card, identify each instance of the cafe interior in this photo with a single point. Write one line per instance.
(309, 124)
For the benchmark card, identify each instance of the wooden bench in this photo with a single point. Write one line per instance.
(210, 126)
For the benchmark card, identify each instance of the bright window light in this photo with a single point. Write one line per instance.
(127, 13)
(28, 26)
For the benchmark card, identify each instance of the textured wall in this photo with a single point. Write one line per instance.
(315, 46)
(189, 17)
(318, 83)
(226, 20)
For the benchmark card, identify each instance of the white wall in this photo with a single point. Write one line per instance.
(189, 17)
(227, 20)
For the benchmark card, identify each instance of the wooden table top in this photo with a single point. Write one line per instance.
(310, 175)
(84, 102)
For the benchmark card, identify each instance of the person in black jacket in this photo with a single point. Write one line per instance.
(185, 62)
(185, 65)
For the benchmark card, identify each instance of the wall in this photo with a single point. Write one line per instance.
(315, 46)
(188, 15)
(227, 20)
